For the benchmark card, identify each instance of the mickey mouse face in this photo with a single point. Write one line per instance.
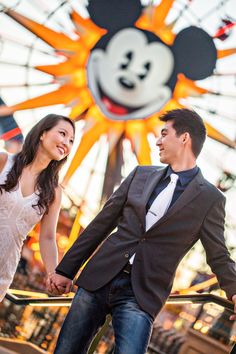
(129, 78)
(131, 72)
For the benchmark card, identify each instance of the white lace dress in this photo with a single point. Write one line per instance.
(17, 218)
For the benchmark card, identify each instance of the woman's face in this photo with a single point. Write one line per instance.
(57, 142)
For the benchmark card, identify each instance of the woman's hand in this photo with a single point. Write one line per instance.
(58, 284)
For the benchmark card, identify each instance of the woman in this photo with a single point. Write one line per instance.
(29, 193)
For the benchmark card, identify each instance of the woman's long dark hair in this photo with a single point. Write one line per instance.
(47, 180)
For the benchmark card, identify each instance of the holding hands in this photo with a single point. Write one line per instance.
(58, 284)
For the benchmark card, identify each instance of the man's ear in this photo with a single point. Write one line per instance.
(186, 138)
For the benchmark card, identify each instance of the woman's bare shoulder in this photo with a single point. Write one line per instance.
(3, 160)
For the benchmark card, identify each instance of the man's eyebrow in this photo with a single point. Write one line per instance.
(163, 130)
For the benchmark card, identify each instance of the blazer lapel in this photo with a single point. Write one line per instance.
(192, 190)
(149, 186)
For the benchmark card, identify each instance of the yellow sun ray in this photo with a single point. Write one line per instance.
(215, 134)
(153, 125)
(65, 68)
(63, 95)
(116, 129)
(66, 72)
(186, 87)
(94, 128)
(154, 18)
(165, 32)
(136, 132)
(74, 230)
(89, 32)
(225, 52)
(144, 20)
(171, 104)
(161, 12)
(55, 39)
(81, 105)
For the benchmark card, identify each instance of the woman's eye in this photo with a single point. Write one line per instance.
(62, 133)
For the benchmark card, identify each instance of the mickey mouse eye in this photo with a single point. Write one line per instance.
(128, 57)
(147, 67)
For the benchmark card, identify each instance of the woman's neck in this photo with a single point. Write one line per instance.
(39, 164)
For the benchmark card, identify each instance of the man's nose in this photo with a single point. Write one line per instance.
(158, 142)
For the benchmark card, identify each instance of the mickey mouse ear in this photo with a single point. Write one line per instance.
(195, 53)
(114, 14)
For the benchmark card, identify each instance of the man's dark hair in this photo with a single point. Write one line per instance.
(186, 120)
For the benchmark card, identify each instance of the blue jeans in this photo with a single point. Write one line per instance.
(132, 326)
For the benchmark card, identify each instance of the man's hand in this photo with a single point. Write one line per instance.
(58, 284)
(233, 317)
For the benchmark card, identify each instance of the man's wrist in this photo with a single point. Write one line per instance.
(63, 274)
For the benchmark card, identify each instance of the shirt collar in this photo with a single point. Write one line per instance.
(184, 176)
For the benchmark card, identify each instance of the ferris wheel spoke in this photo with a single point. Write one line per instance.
(7, 38)
(215, 112)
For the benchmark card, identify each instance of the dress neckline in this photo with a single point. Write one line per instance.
(27, 196)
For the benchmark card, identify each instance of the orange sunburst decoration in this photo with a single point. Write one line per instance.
(125, 68)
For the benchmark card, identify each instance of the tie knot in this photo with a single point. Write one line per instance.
(174, 177)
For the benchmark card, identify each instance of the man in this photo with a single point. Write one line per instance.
(159, 213)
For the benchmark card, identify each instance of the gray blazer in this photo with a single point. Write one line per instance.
(198, 213)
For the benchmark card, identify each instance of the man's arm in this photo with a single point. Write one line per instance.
(217, 254)
(106, 220)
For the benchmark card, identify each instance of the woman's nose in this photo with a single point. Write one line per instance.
(66, 143)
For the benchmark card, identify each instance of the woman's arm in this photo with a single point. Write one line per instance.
(3, 160)
(47, 238)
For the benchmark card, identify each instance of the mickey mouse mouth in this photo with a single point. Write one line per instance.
(114, 107)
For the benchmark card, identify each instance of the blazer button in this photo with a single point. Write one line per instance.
(126, 255)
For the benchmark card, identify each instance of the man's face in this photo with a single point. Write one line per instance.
(170, 145)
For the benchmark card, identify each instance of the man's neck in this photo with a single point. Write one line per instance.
(183, 166)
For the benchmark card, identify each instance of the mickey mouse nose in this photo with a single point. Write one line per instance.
(126, 83)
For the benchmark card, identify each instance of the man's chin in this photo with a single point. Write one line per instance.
(163, 160)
